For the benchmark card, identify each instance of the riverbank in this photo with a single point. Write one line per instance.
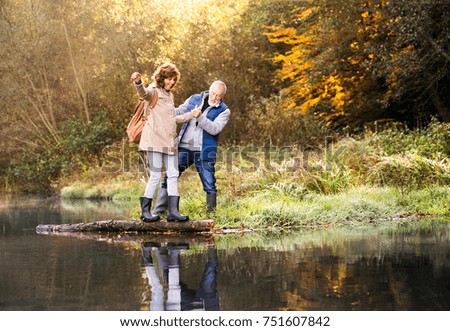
(284, 205)
(392, 174)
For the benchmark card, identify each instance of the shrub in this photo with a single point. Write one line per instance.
(432, 142)
(408, 172)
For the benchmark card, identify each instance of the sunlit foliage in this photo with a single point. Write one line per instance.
(290, 66)
(352, 62)
(65, 62)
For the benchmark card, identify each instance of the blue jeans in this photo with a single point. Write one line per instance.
(206, 169)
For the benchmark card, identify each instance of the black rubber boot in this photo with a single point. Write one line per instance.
(146, 215)
(161, 202)
(173, 203)
(211, 202)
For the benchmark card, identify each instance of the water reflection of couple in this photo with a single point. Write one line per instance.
(162, 266)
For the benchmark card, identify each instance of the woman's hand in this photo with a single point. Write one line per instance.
(136, 77)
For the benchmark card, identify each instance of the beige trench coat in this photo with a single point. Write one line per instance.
(160, 131)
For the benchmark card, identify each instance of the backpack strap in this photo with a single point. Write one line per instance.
(154, 99)
(152, 103)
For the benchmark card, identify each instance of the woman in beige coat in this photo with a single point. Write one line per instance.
(159, 140)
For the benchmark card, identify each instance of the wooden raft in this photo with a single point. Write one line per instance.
(128, 226)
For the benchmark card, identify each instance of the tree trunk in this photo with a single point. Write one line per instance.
(128, 226)
(440, 107)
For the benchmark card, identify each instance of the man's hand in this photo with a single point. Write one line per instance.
(196, 112)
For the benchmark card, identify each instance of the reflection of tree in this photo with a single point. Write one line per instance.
(337, 273)
(5, 227)
(398, 287)
(68, 274)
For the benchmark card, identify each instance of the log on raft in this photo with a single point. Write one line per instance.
(128, 226)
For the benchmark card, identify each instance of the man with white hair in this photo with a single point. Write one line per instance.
(198, 141)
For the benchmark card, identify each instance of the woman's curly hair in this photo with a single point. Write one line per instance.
(167, 70)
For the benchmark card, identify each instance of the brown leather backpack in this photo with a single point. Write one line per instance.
(140, 115)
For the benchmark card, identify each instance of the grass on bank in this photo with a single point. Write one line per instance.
(348, 183)
(278, 209)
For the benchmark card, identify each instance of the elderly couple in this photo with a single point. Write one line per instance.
(203, 115)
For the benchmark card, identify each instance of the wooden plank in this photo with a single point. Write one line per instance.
(128, 226)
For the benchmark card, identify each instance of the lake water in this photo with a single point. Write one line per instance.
(401, 267)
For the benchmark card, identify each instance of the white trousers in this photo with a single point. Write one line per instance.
(155, 162)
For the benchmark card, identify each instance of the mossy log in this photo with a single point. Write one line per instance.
(128, 226)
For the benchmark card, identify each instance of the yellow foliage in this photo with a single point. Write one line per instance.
(308, 104)
(352, 60)
(319, 82)
(354, 45)
(307, 13)
(335, 92)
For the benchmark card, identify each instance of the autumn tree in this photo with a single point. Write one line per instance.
(66, 66)
(412, 62)
(354, 62)
(64, 85)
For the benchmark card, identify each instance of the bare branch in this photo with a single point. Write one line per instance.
(83, 94)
